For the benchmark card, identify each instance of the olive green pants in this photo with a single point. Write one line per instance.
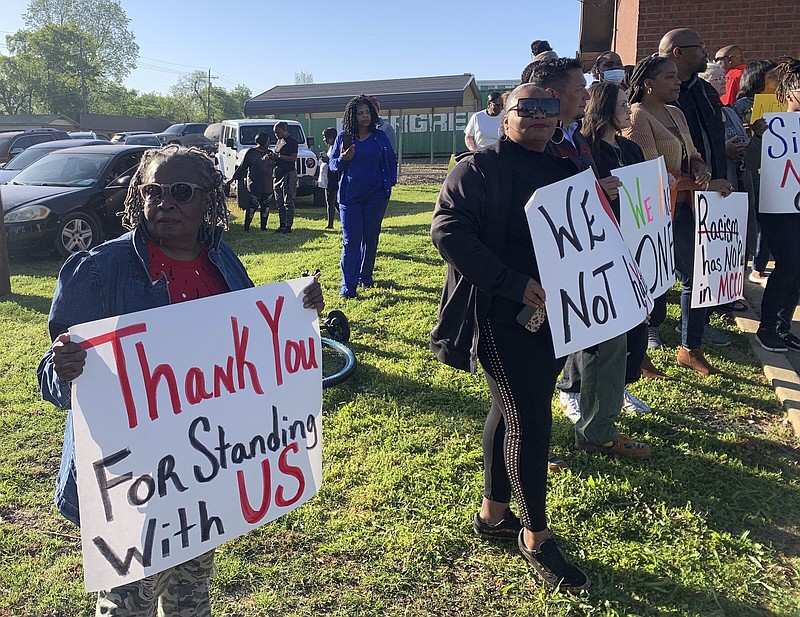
(602, 387)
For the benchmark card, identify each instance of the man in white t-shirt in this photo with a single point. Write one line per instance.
(483, 127)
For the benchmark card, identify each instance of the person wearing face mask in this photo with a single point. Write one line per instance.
(483, 128)
(609, 68)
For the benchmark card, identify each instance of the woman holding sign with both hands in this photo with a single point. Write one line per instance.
(491, 289)
(659, 128)
(176, 212)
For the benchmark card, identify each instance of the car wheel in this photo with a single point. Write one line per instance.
(77, 231)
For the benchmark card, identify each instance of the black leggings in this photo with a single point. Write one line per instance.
(521, 371)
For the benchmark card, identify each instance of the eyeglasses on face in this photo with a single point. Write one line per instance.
(527, 108)
(700, 45)
(179, 192)
(722, 58)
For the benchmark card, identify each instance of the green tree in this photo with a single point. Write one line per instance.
(104, 21)
(16, 89)
(55, 66)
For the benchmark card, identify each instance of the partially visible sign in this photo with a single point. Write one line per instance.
(764, 104)
(646, 222)
(780, 165)
(720, 225)
(593, 287)
(194, 423)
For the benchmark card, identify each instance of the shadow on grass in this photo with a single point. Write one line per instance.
(37, 304)
(642, 590)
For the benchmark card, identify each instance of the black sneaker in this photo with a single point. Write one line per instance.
(506, 529)
(791, 341)
(771, 341)
(551, 566)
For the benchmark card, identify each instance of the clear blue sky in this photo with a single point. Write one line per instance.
(262, 43)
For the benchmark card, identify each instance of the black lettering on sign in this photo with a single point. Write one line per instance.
(122, 567)
(602, 306)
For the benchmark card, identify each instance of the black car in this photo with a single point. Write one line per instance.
(69, 200)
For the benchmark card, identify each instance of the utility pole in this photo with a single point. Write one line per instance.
(208, 96)
(83, 79)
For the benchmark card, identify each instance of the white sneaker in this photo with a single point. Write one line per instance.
(570, 405)
(632, 404)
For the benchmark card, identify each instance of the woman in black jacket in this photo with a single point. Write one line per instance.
(480, 228)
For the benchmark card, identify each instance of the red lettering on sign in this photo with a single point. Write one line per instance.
(290, 470)
(115, 337)
(273, 323)
(250, 515)
(786, 169)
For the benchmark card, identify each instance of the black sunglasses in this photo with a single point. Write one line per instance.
(179, 192)
(527, 108)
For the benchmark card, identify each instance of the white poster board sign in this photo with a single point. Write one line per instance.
(194, 423)
(780, 164)
(720, 230)
(593, 288)
(646, 222)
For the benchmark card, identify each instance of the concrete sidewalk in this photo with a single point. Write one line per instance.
(781, 369)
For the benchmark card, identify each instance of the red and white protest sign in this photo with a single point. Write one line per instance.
(194, 423)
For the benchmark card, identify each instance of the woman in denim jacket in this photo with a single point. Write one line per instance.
(176, 212)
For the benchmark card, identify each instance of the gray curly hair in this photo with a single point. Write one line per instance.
(217, 213)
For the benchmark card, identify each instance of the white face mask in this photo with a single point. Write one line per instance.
(615, 76)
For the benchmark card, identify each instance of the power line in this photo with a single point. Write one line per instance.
(199, 68)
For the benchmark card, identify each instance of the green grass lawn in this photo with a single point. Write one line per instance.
(710, 526)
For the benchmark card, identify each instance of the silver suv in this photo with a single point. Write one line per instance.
(190, 134)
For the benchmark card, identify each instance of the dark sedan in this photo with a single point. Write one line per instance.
(69, 200)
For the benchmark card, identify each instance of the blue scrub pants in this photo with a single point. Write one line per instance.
(361, 227)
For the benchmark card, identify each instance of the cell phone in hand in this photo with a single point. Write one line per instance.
(347, 141)
(531, 318)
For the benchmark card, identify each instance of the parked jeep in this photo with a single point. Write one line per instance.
(237, 136)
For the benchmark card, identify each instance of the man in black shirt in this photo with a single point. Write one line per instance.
(285, 176)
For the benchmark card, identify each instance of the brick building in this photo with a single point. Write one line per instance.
(633, 28)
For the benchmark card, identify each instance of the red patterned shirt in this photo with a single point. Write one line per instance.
(187, 280)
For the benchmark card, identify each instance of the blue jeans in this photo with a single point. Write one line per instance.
(361, 227)
(692, 320)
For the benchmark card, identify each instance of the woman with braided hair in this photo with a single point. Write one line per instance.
(367, 168)
(782, 232)
(660, 128)
(176, 212)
